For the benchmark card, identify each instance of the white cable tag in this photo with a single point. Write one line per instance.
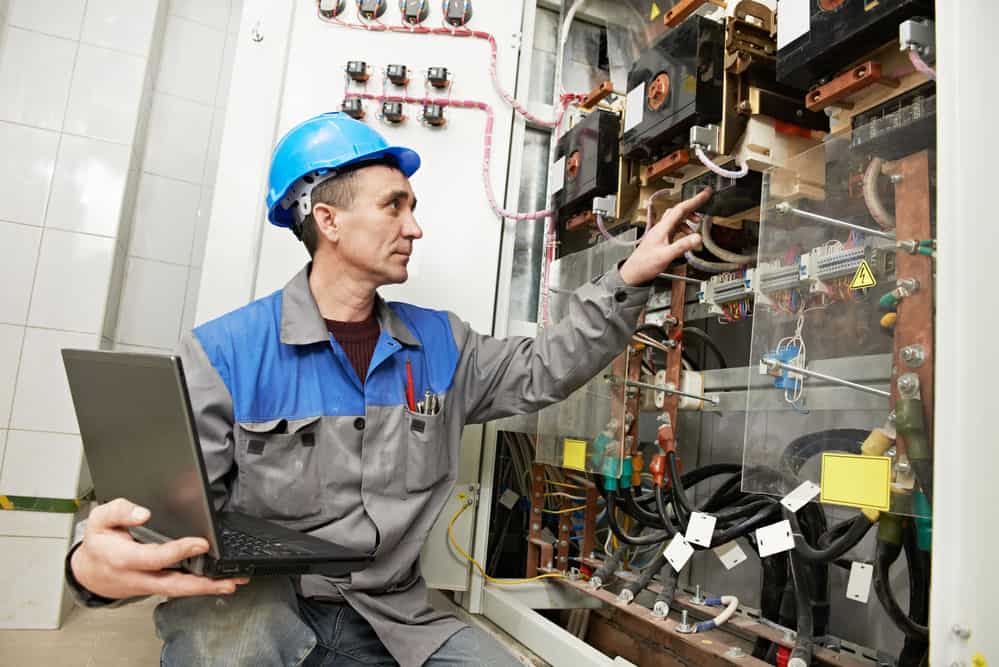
(793, 21)
(730, 554)
(859, 585)
(558, 175)
(774, 538)
(634, 110)
(509, 499)
(678, 552)
(806, 492)
(700, 529)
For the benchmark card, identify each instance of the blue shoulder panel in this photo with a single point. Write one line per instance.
(268, 379)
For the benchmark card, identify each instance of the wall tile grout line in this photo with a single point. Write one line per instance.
(84, 42)
(60, 132)
(41, 244)
(224, 30)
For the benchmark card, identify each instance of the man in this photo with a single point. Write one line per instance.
(305, 417)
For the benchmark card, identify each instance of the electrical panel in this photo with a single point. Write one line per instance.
(676, 83)
(824, 37)
(587, 159)
(796, 339)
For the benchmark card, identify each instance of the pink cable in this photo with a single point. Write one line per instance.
(566, 99)
(921, 65)
(487, 144)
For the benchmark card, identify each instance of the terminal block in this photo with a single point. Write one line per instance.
(393, 112)
(414, 11)
(772, 278)
(357, 70)
(458, 12)
(433, 115)
(438, 77)
(829, 262)
(353, 107)
(371, 9)
(332, 8)
(397, 74)
(725, 289)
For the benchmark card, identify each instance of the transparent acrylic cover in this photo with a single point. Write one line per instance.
(819, 305)
(585, 431)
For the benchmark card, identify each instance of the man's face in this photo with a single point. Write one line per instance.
(376, 234)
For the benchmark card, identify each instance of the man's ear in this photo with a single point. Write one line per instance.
(326, 221)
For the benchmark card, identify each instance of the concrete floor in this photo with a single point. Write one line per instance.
(88, 638)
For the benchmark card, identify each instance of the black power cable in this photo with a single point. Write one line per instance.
(887, 553)
(709, 342)
(850, 537)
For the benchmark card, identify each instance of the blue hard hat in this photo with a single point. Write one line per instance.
(322, 144)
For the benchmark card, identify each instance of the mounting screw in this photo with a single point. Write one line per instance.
(913, 355)
(908, 385)
(697, 599)
(255, 33)
(535, 526)
(685, 627)
(961, 631)
(783, 207)
(563, 543)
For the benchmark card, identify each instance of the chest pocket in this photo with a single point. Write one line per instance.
(427, 460)
(278, 470)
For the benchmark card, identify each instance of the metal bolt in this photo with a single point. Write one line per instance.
(908, 285)
(697, 599)
(563, 543)
(908, 385)
(537, 510)
(897, 178)
(255, 33)
(663, 419)
(961, 631)
(913, 355)
(735, 652)
(535, 526)
(685, 627)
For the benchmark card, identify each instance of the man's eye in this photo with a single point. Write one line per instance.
(396, 204)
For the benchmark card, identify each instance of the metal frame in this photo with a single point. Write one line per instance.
(965, 582)
(513, 611)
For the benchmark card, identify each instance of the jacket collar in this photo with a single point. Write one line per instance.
(302, 324)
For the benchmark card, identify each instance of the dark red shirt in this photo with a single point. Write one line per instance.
(358, 340)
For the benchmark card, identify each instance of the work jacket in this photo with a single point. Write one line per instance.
(291, 434)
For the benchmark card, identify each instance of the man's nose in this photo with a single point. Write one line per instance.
(411, 229)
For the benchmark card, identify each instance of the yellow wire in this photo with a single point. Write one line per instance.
(567, 510)
(568, 486)
(482, 570)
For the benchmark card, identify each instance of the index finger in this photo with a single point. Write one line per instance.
(674, 216)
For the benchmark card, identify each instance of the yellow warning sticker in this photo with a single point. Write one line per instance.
(864, 277)
(574, 454)
(856, 481)
(655, 12)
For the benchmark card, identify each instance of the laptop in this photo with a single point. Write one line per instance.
(140, 440)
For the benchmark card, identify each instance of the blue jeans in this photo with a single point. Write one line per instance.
(265, 623)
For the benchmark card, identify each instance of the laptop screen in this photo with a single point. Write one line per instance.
(139, 437)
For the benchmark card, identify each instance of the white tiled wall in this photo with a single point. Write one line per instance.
(169, 221)
(72, 77)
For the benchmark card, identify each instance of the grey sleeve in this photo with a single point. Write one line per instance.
(502, 377)
(213, 415)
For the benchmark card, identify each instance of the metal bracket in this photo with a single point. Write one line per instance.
(918, 35)
(706, 137)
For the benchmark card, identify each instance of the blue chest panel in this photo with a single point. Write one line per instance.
(268, 379)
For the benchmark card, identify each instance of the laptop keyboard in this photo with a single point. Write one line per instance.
(239, 544)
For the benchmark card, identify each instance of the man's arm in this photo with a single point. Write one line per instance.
(501, 377)
(107, 564)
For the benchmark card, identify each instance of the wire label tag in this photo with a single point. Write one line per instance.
(509, 499)
(775, 538)
(635, 107)
(700, 529)
(864, 277)
(859, 586)
(730, 554)
(804, 494)
(678, 552)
